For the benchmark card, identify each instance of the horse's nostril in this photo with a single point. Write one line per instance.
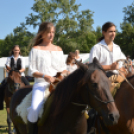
(111, 117)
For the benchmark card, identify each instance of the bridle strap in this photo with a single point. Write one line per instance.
(105, 102)
(126, 80)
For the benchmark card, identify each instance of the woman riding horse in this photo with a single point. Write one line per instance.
(63, 111)
(45, 60)
(14, 62)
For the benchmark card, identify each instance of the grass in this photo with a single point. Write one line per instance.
(3, 122)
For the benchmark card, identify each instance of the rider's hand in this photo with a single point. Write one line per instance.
(49, 79)
(114, 66)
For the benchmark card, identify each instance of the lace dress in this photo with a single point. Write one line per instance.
(46, 62)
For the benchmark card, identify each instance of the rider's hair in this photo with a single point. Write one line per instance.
(44, 28)
(71, 56)
(105, 27)
(11, 52)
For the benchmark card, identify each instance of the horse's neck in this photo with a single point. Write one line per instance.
(70, 118)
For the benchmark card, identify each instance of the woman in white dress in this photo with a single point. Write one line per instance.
(106, 51)
(71, 66)
(45, 60)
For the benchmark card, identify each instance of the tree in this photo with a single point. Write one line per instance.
(67, 19)
(129, 14)
(125, 38)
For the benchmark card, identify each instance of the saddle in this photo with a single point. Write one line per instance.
(26, 102)
(59, 77)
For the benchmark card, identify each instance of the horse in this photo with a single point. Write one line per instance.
(85, 86)
(12, 85)
(124, 99)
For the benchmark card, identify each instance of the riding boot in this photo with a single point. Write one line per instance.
(32, 128)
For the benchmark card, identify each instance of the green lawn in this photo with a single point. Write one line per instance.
(3, 122)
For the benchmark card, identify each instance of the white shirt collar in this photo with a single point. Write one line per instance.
(13, 56)
(103, 43)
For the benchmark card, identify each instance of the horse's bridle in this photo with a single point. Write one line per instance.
(90, 91)
(11, 89)
(15, 86)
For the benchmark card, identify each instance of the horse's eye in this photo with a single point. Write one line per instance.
(95, 85)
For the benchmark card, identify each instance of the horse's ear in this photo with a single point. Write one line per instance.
(8, 68)
(81, 65)
(95, 60)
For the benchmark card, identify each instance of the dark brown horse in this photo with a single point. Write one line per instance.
(85, 86)
(13, 84)
(124, 100)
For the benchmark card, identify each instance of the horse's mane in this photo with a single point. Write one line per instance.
(69, 86)
(65, 90)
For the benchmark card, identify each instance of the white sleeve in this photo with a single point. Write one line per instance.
(8, 61)
(95, 52)
(122, 55)
(32, 63)
(63, 63)
(22, 62)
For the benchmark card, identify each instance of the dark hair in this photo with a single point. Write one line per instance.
(44, 27)
(71, 56)
(11, 52)
(105, 27)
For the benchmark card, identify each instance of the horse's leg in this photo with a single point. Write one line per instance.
(9, 121)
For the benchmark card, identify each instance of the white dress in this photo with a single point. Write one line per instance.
(71, 68)
(48, 63)
(104, 56)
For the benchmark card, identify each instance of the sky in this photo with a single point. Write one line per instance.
(13, 12)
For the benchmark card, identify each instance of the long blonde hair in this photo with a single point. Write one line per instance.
(44, 28)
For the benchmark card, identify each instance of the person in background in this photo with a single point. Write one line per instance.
(77, 56)
(71, 66)
(15, 62)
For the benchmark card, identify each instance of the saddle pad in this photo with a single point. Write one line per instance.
(26, 103)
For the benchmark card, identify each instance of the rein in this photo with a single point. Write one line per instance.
(126, 79)
(14, 85)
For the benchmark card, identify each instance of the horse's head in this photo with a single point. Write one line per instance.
(96, 92)
(14, 80)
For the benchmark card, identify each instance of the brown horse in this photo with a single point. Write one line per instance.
(85, 86)
(13, 84)
(124, 100)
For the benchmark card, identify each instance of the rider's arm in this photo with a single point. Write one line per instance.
(113, 66)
